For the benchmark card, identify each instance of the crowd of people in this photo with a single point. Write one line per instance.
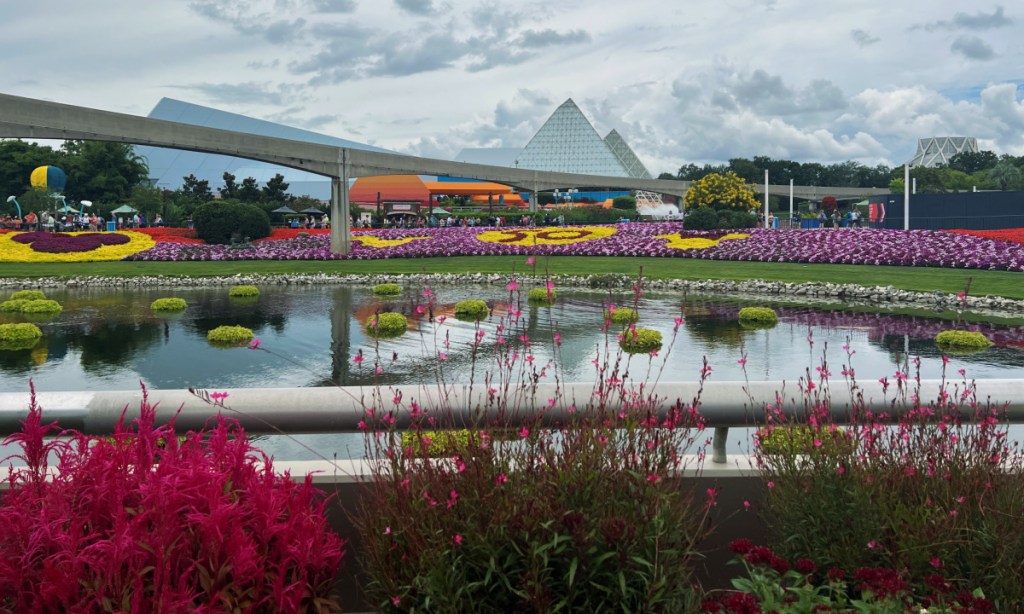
(57, 221)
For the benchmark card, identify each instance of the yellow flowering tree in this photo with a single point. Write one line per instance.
(721, 191)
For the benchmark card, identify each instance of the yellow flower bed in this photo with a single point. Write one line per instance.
(372, 241)
(675, 241)
(546, 236)
(12, 251)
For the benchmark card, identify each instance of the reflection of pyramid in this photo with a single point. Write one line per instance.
(567, 143)
(634, 167)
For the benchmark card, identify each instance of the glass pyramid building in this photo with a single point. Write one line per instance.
(568, 143)
(633, 166)
(937, 151)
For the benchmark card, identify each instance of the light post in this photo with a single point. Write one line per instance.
(14, 200)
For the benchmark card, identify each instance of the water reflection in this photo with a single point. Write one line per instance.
(109, 339)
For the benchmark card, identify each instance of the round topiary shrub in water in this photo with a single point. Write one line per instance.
(473, 309)
(759, 316)
(541, 296)
(42, 306)
(244, 291)
(640, 341)
(387, 325)
(19, 336)
(387, 289)
(28, 295)
(169, 304)
(14, 305)
(962, 340)
(229, 335)
(621, 315)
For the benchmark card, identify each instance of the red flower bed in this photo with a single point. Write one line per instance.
(1013, 235)
(291, 233)
(165, 234)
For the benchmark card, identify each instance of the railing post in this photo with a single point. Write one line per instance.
(718, 444)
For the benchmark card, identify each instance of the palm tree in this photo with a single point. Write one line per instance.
(1005, 174)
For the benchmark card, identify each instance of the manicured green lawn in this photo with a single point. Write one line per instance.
(997, 283)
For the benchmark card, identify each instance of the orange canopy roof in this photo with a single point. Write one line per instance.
(407, 188)
(467, 188)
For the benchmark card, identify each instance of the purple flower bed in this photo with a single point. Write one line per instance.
(61, 243)
(848, 246)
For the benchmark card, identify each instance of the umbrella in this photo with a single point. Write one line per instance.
(125, 209)
(283, 210)
(439, 211)
(312, 211)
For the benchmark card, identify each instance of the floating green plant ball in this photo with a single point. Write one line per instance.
(962, 340)
(244, 291)
(19, 336)
(168, 304)
(640, 341)
(473, 309)
(230, 335)
(387, 325)
(758, 315)
(541, 296)
(387, 289)
(44, 306)
(621, 315)
(15, 305)
(28, 295)
(441, 443)
(793, 439)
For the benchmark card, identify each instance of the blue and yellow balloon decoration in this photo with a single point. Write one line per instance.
(50, 178)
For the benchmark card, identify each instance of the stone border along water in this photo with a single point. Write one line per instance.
(813, 292)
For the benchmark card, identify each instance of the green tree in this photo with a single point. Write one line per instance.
(720, 191)
(1005, 175)
(17, 160)
(624, 202)
(249, 191)
(101, 171)
(149, 201)
(196, 189)
(230, 189)
(973, 161)
(276, 190)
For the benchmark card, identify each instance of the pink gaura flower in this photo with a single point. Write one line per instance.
(457, 539)
(512, 285)
(255, 344)
(442, 356)
(358, 358)
(524, 432)
(501, 479)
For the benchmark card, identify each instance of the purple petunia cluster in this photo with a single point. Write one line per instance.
(843, 246)
(62, 243)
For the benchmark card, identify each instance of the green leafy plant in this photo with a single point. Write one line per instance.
(472, 309)
(387, 289)
(15, 305)
(962, 339)
(621, 315)
(441, 443)
(244, 291)
(387, 325)
(541, 296)
(22, 336)
(42, 306)
(229, 335)
(169, 304)
(640, 340)
(220, 222)
(799, 438)
(28, 295)
(758, 315)
(701, 218)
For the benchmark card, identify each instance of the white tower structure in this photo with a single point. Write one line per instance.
(937, 150)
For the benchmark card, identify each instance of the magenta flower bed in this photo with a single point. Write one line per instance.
(848, 246)
(61, 243)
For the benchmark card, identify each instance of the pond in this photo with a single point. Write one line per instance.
(109, 339)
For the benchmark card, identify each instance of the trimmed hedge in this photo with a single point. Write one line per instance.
(962, 339)
(229, 335)
(387, 325)
(621, 315)
(245, 291)
(45, 306)
(541, 296)
(220, 222)
(19, 336)
(168, 304)
(640, 341)
(758, 315)
(28, 295)
(472, 309)
(387, 289)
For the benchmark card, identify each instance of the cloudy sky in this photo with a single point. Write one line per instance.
(695, 81)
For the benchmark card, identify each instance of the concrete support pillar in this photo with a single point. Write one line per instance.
(533, 200)
(341, 219)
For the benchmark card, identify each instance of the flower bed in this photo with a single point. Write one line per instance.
(1012, 235)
